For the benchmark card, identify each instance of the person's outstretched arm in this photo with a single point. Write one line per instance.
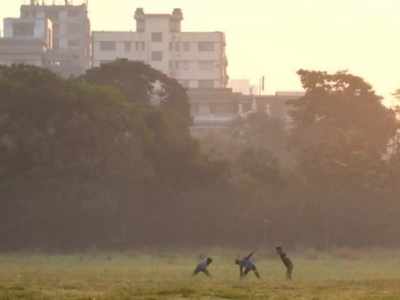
(250, 255)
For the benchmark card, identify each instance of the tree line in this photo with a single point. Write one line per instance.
(107, 160)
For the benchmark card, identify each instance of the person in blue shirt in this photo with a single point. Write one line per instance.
(246, 265)
(202, 267)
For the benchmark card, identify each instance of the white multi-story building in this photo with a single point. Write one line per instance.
(195, 59)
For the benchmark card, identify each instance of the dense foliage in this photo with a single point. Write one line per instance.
(107, 160)
(83, 165)
(331, 180)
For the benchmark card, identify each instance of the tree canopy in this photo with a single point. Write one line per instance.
(107, 160)
(87, 152)
(141, 83)
(341, 121)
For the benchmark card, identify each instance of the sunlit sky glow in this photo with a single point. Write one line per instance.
(277, 37)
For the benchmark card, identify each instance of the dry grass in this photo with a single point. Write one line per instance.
(337, 275)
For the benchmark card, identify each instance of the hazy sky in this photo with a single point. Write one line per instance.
(277, 37)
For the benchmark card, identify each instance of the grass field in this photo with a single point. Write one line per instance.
(343, 274)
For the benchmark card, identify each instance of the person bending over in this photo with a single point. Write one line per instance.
(246, 265)
(202, 267)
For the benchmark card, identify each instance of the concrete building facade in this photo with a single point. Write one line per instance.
(195, 59)
(26, 41)
(218, 108)
(58, 37)
(70, 52)
(61, 30)
(40, 28)
(22, 51)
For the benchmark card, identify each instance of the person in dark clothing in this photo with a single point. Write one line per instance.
(246, 265)
(286, 261)
(202, 267)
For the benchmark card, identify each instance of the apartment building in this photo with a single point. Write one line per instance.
(70, 54)
(26, 41)
(62, 31)
(195, 59)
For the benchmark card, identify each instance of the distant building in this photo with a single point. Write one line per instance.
(22, 51)
(64, 31)
(40, 28)
(195, 59)
(277, 106)
(218, 108)
(58, 37)
(214, 108)
(26, 41)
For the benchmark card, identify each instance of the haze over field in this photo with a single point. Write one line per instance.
(129, 171)
(276, 38)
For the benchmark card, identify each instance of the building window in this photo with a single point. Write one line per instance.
(140, 46)
(108, 46)
(206, 84)
(127, 46)
(156, 56)
(23, 29)
(206, 65)
(206, 46)
(186, 46)
(156, 37)
(185, 65)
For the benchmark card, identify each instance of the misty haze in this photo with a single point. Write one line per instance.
(199, 150)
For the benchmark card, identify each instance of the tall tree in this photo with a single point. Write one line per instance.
(141, 83)
(340, 125)
(341, 133)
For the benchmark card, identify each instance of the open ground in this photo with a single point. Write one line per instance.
(342, 274)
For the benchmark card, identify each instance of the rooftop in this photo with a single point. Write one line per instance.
(55, 3)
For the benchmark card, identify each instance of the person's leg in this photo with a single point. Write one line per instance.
(207, 273)
(241, 273)
(195, 272)
(245, 272)
(256, 272)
